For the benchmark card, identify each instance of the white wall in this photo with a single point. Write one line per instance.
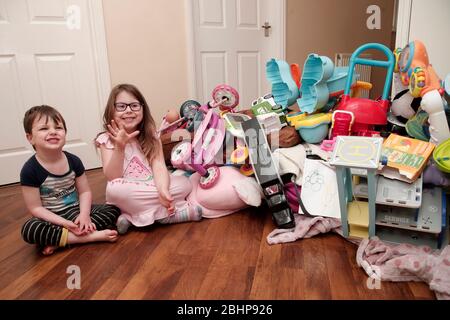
(147, 47)
(430, 23)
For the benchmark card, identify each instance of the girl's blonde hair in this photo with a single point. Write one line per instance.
(147, 128)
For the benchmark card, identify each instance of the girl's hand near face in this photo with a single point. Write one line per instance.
(119, 136)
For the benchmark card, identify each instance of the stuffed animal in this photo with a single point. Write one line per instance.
(232, 192)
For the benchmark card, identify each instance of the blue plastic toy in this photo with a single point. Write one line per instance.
(319, 80)
(284, 89)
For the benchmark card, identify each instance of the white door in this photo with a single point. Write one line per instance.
(50, 54)
(231, 46)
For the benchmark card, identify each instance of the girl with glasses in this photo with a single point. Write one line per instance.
(133, 163)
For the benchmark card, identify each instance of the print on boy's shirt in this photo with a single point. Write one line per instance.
(137, 171)
(58, 193)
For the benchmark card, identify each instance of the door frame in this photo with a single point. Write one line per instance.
(100, 52)
(190, 47)
(403, 23)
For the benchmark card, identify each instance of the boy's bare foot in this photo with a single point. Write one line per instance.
(48, 250)
(105, 235)
(95, 236)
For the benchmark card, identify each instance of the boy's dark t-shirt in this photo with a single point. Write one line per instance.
(58, 192)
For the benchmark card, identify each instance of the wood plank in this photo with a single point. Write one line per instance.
(159, 267)
(277, 277)
(339, 271)
(317, 283)
(235, 258)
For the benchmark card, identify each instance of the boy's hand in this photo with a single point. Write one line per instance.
(72, 227)
(166, 200)
(85, 224)
(118, 134)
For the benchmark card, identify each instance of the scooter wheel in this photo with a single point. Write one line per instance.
(229, 93)
(181, 155)
(211, 178)
(189, 108)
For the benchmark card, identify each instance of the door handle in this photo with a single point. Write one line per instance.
(266, 28)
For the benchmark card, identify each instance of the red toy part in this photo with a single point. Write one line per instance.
(368, 113)
(342, 122)
(246, 170)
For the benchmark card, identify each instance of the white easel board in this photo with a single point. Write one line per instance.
(319, 192)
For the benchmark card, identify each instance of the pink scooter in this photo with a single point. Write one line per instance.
(208, 138)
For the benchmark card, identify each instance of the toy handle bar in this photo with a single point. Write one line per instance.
(389, 65)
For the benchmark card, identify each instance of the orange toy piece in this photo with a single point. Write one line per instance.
(172, 116)
(170, 122)
(415, 69)
(356, 89)
(296, 74)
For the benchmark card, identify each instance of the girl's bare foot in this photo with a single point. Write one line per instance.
(48, 250)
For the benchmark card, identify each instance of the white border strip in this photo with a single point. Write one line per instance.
(100, 52)
(403, 23)
(190, 48)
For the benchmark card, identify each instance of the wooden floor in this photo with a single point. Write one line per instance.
(225, 258)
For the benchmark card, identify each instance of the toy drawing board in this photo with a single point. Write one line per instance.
(319, 189)
(359, 152)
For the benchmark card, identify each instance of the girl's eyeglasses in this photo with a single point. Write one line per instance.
(121, 107)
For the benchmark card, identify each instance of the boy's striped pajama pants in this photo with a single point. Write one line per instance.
(44, 233)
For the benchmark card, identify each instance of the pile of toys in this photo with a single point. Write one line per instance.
(387, 161)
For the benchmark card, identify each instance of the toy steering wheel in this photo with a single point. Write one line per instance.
(225, 97)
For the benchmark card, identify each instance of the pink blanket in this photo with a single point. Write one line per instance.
(406, 262)
(305, 227)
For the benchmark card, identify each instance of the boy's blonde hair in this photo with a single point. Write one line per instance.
(39, 112)
(147, 128)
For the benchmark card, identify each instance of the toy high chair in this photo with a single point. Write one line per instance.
(208, 139)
